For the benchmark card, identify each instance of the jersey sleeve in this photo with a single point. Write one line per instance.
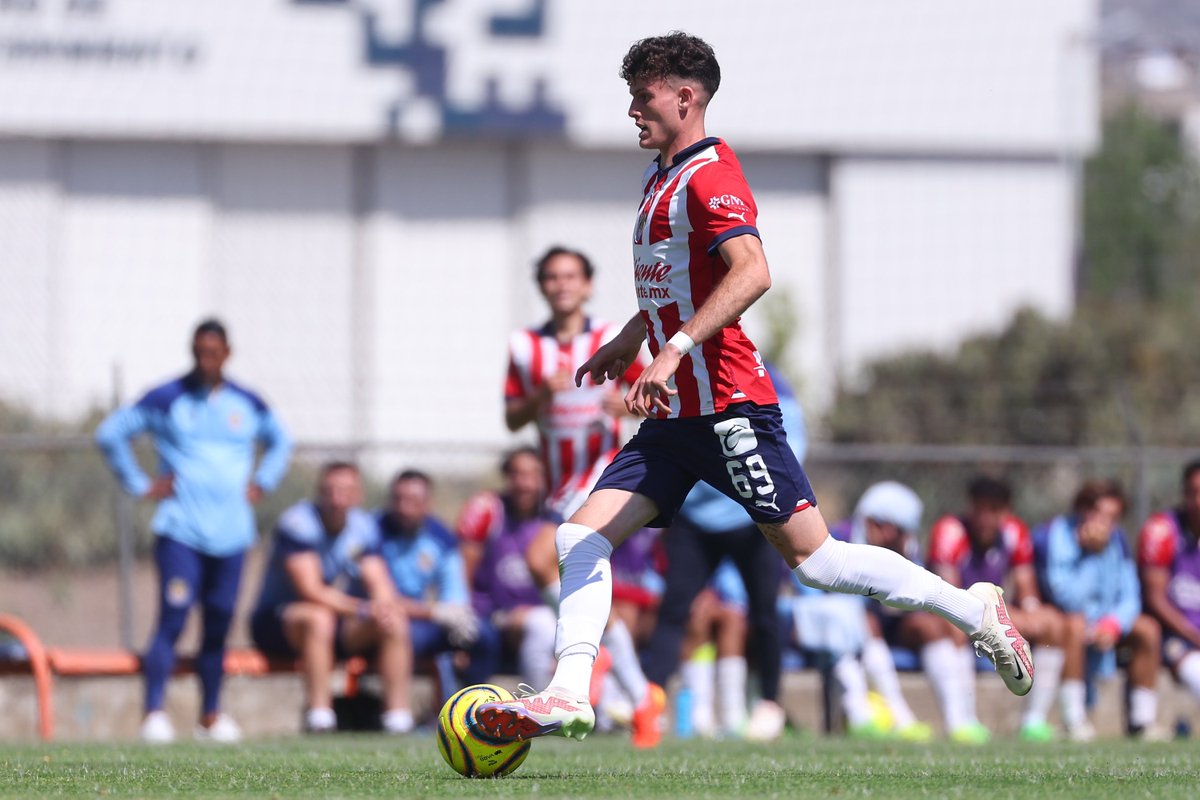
(948, 542)
(1020, 543)
(479, 518)
(720, 205)
(295, 532)
(514, 387)
(1156, 542)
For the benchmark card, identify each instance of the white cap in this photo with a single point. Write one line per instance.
(893, 503)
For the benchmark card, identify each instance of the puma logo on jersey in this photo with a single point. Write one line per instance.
(732, 215)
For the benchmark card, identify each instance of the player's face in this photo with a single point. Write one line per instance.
(526, 482)
(1096, 525)
(410, 503)
(210, 352)
(885, 535)
(565, 284)
(985, 517)
(655, 110)
(340, 491)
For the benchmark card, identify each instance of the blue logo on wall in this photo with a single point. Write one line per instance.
(427, 60)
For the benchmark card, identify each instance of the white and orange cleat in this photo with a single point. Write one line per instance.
(1001, 642)
(553, 711)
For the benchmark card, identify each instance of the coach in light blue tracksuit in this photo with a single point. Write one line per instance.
(206, 431)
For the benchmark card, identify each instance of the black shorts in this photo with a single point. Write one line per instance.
(741, 452)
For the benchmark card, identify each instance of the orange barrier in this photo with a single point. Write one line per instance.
(44, 663)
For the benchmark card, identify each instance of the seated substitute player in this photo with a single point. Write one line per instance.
(321, 551)
(698, 265)
(423, 558)
(1169, 564)
(1087, 572)
(495, 532)
(989, 543)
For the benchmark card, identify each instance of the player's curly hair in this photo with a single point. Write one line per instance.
(677, 54)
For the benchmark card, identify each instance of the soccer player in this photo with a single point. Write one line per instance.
(423, 558)
(1087, 572)
(711, 410)
(206, 430)
(1169, 564)
(326, 594)
(989, 543)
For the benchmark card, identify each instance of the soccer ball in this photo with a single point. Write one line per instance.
(468, 750)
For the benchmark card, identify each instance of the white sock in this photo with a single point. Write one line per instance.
(877, 661)
(1143, 707)
(1188, 671)
(550, 593)
(852, 680)
(966, 655)
(397, 720)
(700, 677)
(584, 604)
(1073, 703)
(1048, 661)
(889, 577)
(535, 656)
(625, 665)
(944, 667)
(320, 719)
(731, 691)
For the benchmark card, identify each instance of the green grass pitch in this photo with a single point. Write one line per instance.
(796, 767)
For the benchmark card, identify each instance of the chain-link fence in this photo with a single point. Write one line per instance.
(73, 549)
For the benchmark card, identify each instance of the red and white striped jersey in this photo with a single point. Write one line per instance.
(687, 210)
(578, 438)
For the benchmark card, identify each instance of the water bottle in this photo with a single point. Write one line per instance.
(683, 713)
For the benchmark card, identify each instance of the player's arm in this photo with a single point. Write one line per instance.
(383, 602)
(113, 438)
(304, 571)
(1158, 604)
(1025, 587)
(747, 280)
(277, 452)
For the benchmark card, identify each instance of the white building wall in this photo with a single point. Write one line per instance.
(931, 250)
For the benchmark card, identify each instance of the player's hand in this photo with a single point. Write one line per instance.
(608, 363)
(613, 404)
(161, 487)
(254, 493)
(558, 382)
(651, 393)
(1103, 639)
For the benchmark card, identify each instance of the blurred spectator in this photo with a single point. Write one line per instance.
(425, 563)
(1086, 571)
(327, 595)
(496, 530)
(205, 430)
(714, 656)
(989, 543)
(708, 528)
(1169, 561)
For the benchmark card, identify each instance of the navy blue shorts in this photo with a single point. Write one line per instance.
(741, 452)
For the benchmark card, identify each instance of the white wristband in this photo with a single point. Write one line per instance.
(682, 342)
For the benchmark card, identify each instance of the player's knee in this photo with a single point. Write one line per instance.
(571, 535)
(1147, 632)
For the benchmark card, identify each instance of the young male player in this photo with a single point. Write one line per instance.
(711, 410)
